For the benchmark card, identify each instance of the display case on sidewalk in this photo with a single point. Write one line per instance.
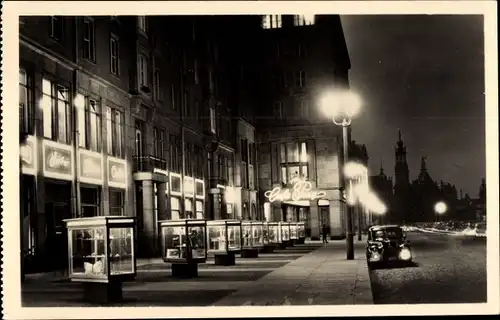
(101, 253)
(268, 244)
(183, 245)
(274, 233)
(301, 230)
(224, 240)
(251, 236)
(285, 234)
(294, 235)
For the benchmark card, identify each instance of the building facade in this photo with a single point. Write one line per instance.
(123, 118)
(299, 148)
(382, 185)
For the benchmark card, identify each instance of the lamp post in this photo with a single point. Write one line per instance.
(440, 208)
(357, 171)
(341, 106)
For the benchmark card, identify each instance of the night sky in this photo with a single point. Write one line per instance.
(423, 74)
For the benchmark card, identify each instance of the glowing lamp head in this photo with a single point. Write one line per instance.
(338, 102)
(440, 207)
(354, 170)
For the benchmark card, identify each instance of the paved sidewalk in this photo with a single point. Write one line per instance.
(322, 277)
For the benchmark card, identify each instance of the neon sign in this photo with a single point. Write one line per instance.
(301, 190)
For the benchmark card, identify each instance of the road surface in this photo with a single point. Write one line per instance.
(447, 269)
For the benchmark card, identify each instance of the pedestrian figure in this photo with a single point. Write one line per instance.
(324, 232)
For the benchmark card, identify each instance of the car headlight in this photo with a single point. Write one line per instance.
(405, 254)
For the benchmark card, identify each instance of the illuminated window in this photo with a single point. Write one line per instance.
(303, 20)
(114, 132)
(303, 152)
(271, 21)
(56, 111)
(175, 208)
(188, 208)
(89, 125)
(199, 209)
(293, 161)
(26, 110)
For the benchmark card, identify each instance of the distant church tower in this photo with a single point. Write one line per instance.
(401, 170)
(402, 192)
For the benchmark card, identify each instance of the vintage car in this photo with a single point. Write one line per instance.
(387, 243)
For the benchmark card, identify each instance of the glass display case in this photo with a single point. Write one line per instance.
(183, 241)
(265, 233)
(223, 236)
(251, 234)
(274, 232)
(101, 249)
(301, 230)
(294, 231)
(285, 231)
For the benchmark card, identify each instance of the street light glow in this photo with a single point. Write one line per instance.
(340, 103)
(370, 200)
(354, 170)
(440, 207)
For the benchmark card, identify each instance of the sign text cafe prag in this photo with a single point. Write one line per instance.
(300, 190)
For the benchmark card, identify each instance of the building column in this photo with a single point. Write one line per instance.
(314, 225)
(148, 246)
(336, 228)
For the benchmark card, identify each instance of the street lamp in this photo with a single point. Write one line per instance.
(357, 171)
(341, 106)
(440, 208)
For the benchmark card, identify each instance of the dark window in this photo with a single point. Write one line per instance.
(57, 27)
(89, 39)
(116, 202)
(159, 147)
(114, 50)
(90, 201)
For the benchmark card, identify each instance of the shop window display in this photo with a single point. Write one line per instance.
(265, 233)
(301, 230)
(274, 232)
(101, 248)
(293, 231)
(285, 231)
(224, 235)
(183, 240)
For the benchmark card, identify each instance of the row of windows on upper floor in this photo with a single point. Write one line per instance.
(275, 21)
(143, 60)
(167, 153)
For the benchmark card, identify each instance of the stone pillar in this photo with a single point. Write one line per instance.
(315, 232)
(336, 229)
(162, 201)
(148, 243)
